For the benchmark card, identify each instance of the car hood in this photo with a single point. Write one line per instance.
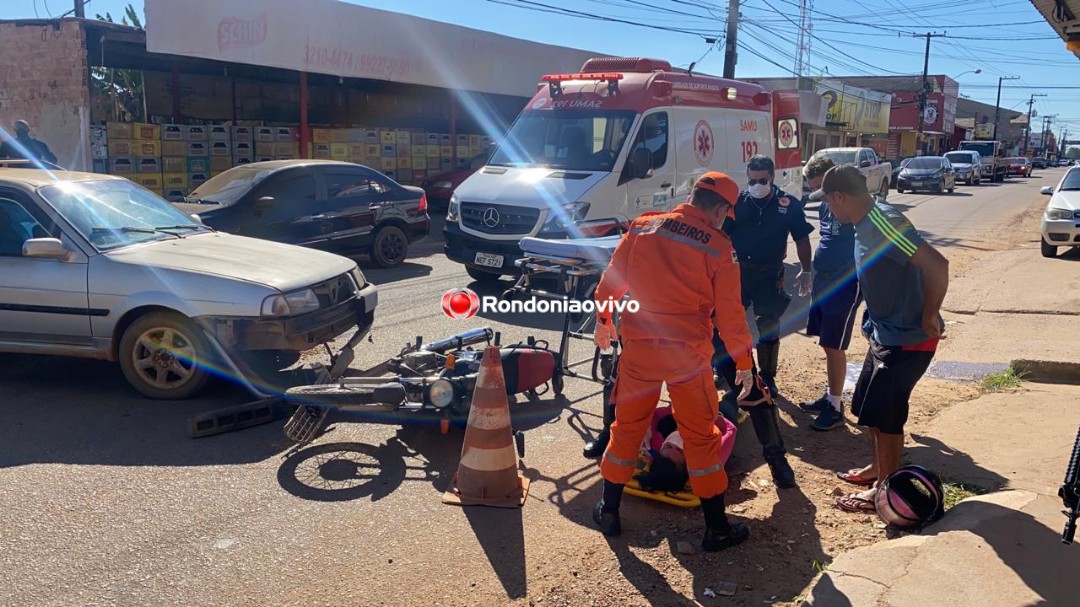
(919, 172)
(1066, 200)
(961, 166)
(279, 266)
(534, 188)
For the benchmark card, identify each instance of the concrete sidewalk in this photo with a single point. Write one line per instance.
(1000, 549)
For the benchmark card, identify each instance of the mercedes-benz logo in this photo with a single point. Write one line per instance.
(491, 217)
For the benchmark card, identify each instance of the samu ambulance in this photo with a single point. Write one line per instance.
(620, 138)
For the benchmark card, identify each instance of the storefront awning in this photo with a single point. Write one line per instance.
(340, 39)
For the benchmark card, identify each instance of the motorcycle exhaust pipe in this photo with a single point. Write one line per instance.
(467, 338)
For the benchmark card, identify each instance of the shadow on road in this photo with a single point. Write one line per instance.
(405, 271)
(501, 533)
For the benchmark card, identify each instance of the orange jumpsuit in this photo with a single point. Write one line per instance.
(679, 269)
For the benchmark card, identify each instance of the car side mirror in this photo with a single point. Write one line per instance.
(864, 164)
(262, 204)
(641, 163)
(1048, 190)
(45, 248)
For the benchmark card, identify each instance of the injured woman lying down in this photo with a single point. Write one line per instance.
(663, 445)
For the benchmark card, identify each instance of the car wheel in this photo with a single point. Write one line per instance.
(899, 190)
(163, 355)
(390, 247)
(884, 193)
(1047, 250)
(482, 277)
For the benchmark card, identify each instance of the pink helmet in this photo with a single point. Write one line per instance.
(911, 497)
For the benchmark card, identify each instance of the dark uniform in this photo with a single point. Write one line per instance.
(760, 235)
(26, 147)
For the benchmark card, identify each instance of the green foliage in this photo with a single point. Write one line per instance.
(1009, 379)
(124, 87)
(957, 492)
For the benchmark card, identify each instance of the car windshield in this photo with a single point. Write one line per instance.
(960, 158)
(228, 187)
(985, 150)
(578, 140)
(116, 213)
(1071, 181)
(926, 162)
(839, 156)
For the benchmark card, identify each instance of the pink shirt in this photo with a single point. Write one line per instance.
(727, 429)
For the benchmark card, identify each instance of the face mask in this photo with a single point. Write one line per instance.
(759, 190)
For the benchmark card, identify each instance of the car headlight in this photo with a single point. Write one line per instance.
(1058, 214)
(358, 278)
(452, 208)
(296, 302)
(560, 218)
(441, 393)
(442, 185)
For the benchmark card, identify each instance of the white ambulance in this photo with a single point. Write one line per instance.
(622, 137)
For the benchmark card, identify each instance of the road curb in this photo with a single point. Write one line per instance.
(1048, 371)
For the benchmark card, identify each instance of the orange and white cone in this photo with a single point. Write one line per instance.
(487, 474)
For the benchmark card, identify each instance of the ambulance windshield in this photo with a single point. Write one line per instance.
(575, 140)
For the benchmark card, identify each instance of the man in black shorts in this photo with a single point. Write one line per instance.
(904, 281)
(836, 301)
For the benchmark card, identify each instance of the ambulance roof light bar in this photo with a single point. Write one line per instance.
(555, 81)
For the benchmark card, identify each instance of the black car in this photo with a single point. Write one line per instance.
(930, 173)
(335, 206)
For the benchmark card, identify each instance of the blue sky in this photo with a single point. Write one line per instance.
(850, 37)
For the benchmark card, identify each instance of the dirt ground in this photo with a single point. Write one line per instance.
(794, 533)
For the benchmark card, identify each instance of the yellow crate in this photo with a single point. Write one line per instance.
(388, 137)
(357, 150)
(150, 181)
(432, 151)
(446, 151)
(122, 147)
(174, 164)
(265, 148)
(175, 180)
(404, 162)
(173, 148)
(339, 136)
(120, 130)
(283, 148)
(147, 132)
(322, 150)
(339, 151)
(389, 164)
(220, 163)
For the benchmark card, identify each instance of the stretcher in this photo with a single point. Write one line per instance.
(682, 499)
(575, 265)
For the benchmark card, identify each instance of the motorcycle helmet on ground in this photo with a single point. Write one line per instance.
(910, 498)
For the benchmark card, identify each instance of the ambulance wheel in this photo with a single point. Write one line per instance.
(482, 277)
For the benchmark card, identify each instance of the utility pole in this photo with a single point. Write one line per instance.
(1027, 131)
(997, 106)
(730, 42)
(924, 91)
(1064, 134)
(80, 9)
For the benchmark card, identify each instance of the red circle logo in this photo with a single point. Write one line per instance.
(460, 303)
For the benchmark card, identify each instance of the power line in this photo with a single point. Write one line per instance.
(547, 8)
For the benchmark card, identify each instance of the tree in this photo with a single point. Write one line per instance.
(1073, 153)
(123, 86)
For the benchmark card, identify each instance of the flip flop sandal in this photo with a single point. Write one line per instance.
(852, 476)
(856, 504)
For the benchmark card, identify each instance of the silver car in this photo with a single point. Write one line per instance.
(95, 266)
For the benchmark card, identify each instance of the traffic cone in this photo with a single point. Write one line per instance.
(487, 474)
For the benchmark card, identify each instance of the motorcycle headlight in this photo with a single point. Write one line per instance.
(289, 304)
(452, 208)
(441, 393)
(560, 218)
(442, 185)
(1058, 214)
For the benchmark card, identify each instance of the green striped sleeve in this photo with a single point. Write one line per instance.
(891, 233)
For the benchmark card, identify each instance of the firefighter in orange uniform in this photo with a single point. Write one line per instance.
(679, 267)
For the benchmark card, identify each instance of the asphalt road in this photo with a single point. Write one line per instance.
(106, 501)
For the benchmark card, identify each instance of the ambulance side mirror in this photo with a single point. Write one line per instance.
(641, 163)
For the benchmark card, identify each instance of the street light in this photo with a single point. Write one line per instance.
(974, 71)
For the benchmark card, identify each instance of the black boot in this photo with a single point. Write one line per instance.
(606, 512)
(766, 420)
(719, 532)
(769, 361)
(596, 447)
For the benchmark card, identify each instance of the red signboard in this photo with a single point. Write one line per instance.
(939, 115)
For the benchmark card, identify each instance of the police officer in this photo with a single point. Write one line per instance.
(680, 267)
(25, 146)
(765, 217)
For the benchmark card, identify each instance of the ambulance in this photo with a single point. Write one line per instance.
(620, 138)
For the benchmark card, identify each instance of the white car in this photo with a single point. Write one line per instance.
(1061, 221)
(97, 267)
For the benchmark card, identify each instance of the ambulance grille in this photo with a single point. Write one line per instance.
(498, 218)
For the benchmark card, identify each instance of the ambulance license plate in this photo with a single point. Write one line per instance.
(488, 260)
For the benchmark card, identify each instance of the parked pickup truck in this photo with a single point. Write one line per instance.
(877, 173)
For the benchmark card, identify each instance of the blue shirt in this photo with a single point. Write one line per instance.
(761, 227)
(834, 250)
(885, 241)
